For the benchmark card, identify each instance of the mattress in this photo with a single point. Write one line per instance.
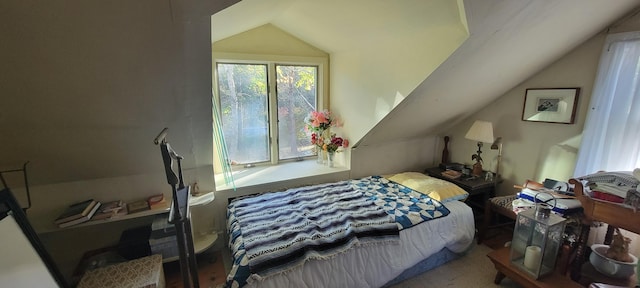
(376, 265)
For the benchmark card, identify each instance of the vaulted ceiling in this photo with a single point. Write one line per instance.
(509, 40)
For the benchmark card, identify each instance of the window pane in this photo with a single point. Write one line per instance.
(297, 96)
(244, 110)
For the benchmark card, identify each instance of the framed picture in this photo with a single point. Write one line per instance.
(550, 105)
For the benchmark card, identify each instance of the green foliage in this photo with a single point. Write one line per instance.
(243, 90)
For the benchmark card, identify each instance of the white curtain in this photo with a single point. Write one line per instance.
(221, 164)
(611, 136)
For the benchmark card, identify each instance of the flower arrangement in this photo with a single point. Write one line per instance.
(319, 121)
(334, 143)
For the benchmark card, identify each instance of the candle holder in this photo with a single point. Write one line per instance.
(536, 239)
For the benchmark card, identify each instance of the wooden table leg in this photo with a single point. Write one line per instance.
(486, 221)
(499, 277)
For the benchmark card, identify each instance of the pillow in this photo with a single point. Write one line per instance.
(435, 188)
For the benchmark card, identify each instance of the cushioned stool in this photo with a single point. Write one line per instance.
(142, 272)
(497, 205)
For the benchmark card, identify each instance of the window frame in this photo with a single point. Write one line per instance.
(271, 61)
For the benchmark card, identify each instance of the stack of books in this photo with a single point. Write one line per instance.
(163, 239)
(110, 210)
(78, 213)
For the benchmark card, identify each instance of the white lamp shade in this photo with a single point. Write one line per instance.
(481, 131)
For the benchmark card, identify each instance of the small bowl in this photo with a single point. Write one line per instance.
(610, 267)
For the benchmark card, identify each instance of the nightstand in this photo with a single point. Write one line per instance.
(479, 189)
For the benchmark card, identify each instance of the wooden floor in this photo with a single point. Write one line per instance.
(210, 271)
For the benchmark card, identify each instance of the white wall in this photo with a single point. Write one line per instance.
(366, 84)
(400, 156)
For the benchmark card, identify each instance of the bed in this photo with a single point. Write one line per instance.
(422, 226)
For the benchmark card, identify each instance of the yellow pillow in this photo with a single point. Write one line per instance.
(435, 188)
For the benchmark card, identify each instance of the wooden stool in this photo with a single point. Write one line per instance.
(500, 205)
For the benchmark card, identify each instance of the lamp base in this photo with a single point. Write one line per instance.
(477, 169)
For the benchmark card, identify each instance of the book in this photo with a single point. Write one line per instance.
(112, 206)
(157, 202)
(108, 210)
(451, 174)
(138, 206)
(81, 219)
(122, 212)
(76, 211)
(102, 215)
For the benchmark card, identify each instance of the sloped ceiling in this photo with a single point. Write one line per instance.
(509, 41)
(334, 25)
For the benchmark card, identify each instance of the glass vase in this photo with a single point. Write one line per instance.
(320, 157)
(330, 160)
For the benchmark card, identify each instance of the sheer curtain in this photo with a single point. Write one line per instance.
(221, 166)
(611, 136)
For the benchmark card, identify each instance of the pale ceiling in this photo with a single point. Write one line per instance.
(509, 41)
(336, 25)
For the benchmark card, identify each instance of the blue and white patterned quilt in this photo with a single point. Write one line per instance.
(404, 206)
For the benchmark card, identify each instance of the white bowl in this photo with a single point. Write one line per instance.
(610, 267)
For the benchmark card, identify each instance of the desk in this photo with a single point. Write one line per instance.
(476, 187)
(500, 259)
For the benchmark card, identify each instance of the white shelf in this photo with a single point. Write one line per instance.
(194, 201)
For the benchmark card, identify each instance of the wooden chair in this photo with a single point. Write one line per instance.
(500, 205)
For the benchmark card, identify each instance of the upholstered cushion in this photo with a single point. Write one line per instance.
(142, 272)
(435, 188)
(503, 201)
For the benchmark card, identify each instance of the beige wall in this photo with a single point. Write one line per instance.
(86, 86)
(366, 84)
(534, 150)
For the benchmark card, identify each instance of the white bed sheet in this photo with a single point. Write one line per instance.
(375, 265)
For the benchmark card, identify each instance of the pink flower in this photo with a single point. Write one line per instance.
(335, 143)
(321, 118)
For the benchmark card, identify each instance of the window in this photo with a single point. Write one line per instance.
(263, 106)
(611, 138)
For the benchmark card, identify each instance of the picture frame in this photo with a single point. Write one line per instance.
(550, 105)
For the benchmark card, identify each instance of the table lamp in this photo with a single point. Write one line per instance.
(481, 131)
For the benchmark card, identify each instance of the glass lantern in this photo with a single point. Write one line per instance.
(536, 240)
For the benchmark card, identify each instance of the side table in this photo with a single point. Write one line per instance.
(476, 187)
(500, 259)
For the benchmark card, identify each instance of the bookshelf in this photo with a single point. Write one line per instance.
(201, 242)
(47, 226)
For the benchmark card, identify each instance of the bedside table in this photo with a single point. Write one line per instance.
(479, 189)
